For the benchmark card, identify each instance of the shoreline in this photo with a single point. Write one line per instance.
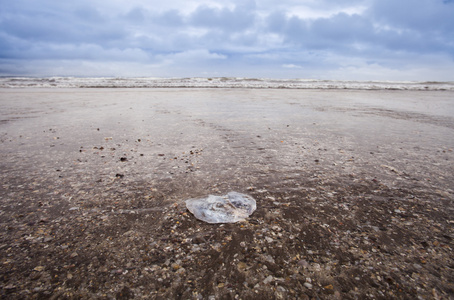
(353, 189)
(220, 82)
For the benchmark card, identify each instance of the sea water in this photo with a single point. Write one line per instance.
(217, 82)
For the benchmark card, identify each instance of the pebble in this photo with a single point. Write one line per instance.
(268, 279)
(241, 266)
(303, 263)
(9, 287)
(281, 289)
(39, 268)
(308, 285)
(328, 287)
(269, 258)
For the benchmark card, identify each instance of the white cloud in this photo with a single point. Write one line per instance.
(190, 57)
(291, 66)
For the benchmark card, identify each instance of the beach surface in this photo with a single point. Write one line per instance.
(354, 192)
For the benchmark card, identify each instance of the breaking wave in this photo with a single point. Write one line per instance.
(217, 82)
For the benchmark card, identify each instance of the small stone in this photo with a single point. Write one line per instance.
(241, 266)
(303, 263)
(281, 289)
(221, 285)
(9, 287)
(268, 279)
(269, 258)
(328, 287)
(308, 285)
(39, 269)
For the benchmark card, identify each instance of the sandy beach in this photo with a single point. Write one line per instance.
(354, 192)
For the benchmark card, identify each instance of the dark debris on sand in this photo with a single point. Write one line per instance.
(358, 239)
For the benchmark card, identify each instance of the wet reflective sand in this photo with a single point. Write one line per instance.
(97, 156)
(242, 137)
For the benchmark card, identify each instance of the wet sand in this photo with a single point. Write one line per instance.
(354, 193)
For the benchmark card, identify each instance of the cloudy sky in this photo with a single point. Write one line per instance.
(320, 39)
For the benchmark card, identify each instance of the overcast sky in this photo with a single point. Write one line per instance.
(320, 39)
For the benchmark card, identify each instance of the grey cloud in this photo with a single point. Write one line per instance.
(240, 32)
(83, 25)
(144, 17)
(425, 28)
(89, 14)
(276, 21)
(204, 16)
(135, 15)
(337, 32)
(343, 28)
(425, 15)
(240, 18)
(172, 18)
(368, 33)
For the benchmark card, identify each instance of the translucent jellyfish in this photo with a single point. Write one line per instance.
(230, 208)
